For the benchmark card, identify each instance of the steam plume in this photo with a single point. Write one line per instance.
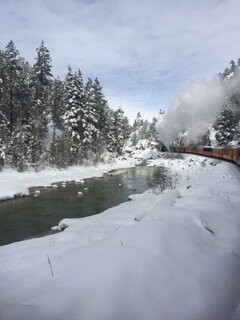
(194, 108)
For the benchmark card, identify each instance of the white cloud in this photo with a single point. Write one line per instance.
(159, 43)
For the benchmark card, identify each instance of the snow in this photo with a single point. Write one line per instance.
(233, 143)
(142, 150)
(164, 256)
(56, 228)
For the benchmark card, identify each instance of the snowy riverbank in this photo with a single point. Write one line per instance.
(170, 256)
(14, 183)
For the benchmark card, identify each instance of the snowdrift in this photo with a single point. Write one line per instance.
(164, 256)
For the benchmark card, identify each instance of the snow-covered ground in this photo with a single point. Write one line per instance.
(13, 182)
(174, 256)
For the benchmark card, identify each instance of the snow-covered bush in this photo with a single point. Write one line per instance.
(162, 180)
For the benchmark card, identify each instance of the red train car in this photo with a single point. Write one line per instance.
(236, 155)
(194, 150)
(217, 153)
(189, 149)
(207, 151)
(200, 151)
(204, 151)
(179, 149)
(229, 154)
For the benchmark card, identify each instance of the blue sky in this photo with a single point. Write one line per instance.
(141, 50)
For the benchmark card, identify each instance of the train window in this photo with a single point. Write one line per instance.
(207, 149)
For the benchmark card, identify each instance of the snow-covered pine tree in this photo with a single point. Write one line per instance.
(233, 66)
(126, 127)
(236, 136)
(90, 120)
(153, 129)
(102, 112)
(24, 93)
(138, 122)
(109, 137)
(121, 131)
(59, 153)
(11, 89)
(2, 79)
(15, 93)
(40, 83)
(57, 106)
(135, 136)
(73, 118)
(4, 125)
(42, 69)
(21, 145)
(3, 138)
(225, 126)
(144, 132)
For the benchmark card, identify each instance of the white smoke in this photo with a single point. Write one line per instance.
(195, 107)
(232, 87)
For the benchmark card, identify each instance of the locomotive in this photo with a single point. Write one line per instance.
(230, 154)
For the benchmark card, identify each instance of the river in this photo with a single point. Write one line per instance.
(34, 216)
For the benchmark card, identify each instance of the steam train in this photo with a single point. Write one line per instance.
(230, 154)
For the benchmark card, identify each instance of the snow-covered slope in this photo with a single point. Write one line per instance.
(173, 256)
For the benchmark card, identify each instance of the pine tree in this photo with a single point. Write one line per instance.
(2, 79)
(227, 123)
(144, 133)
(153, 129)
(4, 125)
(138, 122)
(73, 121)
(21, 145)
(40, 83)
(233, 67)
(14, 94)
(24, 93)
(42, 69)
(11, 84)
(102, 112)
(109, 137)
(121, 131)
(226, 126)
(90, 120)
(3, 138)
(57, 106)
(60, 153)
